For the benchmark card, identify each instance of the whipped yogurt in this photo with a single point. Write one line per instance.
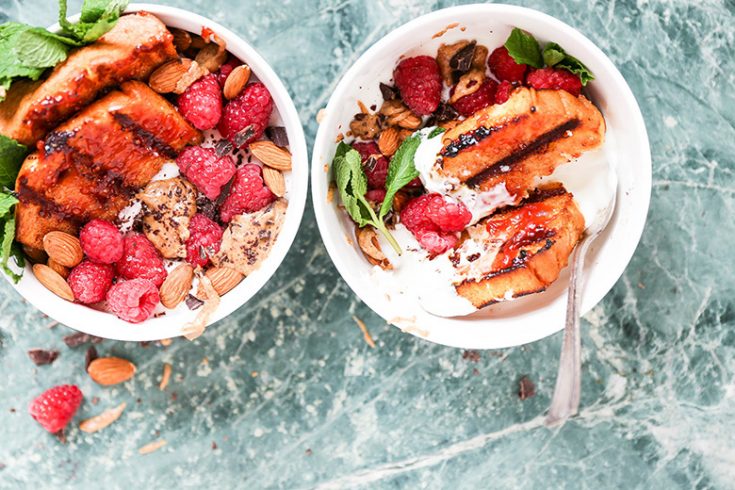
(479, 203)
(416, 277)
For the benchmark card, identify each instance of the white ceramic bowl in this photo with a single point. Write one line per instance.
(537, 316)
(107, 325)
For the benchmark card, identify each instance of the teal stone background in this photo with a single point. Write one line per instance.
(327, 411)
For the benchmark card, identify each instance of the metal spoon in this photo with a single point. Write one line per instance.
(565, 401)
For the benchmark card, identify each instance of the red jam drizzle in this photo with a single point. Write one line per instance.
(525, 226)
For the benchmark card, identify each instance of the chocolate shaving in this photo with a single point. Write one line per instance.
(370, 163)
(526, 388)
(445, 113)
(243, 136)
(193, 302)
(277, 134)
(206, 207)
(90, 356)
(389, 93)
(42, 357)
(80, 338)
(461, 62)
(223, 147)
(471, 355)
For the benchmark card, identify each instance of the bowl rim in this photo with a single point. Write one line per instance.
(110, 327)
(324, 135)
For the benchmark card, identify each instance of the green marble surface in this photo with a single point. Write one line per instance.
(285, 393)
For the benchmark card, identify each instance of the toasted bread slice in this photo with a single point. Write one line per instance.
(90, 166)
(519, 250)
(131, 50)
(514, 143)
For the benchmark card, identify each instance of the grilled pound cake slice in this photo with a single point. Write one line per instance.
(90, 166)
(519, 250)
(131, 50)
(514, 143)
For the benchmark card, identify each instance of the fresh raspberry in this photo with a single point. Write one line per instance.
(377, 171)
(503, 93)
(205, 237)
(201, 103)
(433, 221)
(481, 98)
(555, 78)
(101, 241)
(141, 260)
(247, 194)
(55, 407)
(420, 84)
(134, 300)
(205, 169)
(252, 108)
(504, 67)
(435, 242)
(375, 195)
(225, 70)
(90, 281)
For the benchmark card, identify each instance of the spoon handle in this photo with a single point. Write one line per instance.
(565, 402)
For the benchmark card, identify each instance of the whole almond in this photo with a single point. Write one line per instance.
(236, 81)
(110, 370)
(166, 77)
(99, 422)
(271, 155)
(274, 180)
(63, 248)
(223, 279)
(182, 39)
(211, 57)
(52, 281)
(388, 141)
(63, 271)
(176, 286)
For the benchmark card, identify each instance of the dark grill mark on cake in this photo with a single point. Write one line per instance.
(144, 138)
(523, 152)
(57, 141)
(48, 208)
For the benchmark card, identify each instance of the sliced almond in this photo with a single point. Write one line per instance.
(468, 84)
(165, 377)
(152, 446)
(182, 39)
(275, 181)
(60, 269)
(388, 141)
(110, 370)
(167, 76)
(271, 155)
(99, 422)
(63, 248)
(52, 281)
(367, 239)
(176, 286)
(236, 81)
(223, 279)
(193, 73)
(211, 57)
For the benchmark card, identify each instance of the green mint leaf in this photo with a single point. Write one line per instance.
(11, 157)
(97, 18)
(401, 171)
(351, 183)
(437, 131)
(34, 48)
(524, 48)
(554, 55)
(6, 248)
(7, 201)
